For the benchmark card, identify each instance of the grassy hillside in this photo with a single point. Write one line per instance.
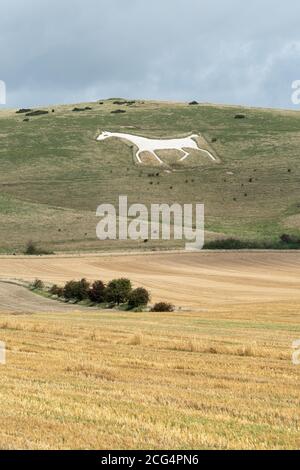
(53, 173)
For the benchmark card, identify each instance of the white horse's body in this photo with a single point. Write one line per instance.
(152, 145)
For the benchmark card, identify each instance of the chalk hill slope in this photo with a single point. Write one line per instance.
(54, 174)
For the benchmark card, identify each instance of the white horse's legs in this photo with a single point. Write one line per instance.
(157, 157)
(138, 157)
(153, 153)
(186, 154)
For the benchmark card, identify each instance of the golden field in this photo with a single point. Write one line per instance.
(215, 375)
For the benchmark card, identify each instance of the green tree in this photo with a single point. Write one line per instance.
(118, 290)
(97, 292)
(78, 290)
(138, 297)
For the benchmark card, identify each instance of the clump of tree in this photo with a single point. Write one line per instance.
(97, 292)
(77, 290)
(139, 297)
(118, 291)
(37, 284)
(56, 290)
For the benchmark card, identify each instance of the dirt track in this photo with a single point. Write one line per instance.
(188, 279)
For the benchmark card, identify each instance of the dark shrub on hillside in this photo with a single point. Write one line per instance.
(97, 292)
(77, 290)
(240, 116)
(23, 110)
(32, 249)
(289, 239)
(285, 238)
(56, 290)
(193, 103)
(118, 290)
(235, 244)
(38, 284)
(227, 244)
(163, 307)
(118, 111)
(38, 112)
(138, 297)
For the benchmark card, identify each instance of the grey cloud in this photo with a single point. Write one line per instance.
(224, 51)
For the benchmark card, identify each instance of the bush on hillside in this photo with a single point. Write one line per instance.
(77, 290)
(163, 307)
(285, 242)
(118, 111)
(32, 249)
(38, 112)
(226, 244)
(139, 297)
(23, 111)
(38, 284)
(56, 290)
(97, 292)
(289, 239)
(118, 290)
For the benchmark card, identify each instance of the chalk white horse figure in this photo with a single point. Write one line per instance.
(152, 145)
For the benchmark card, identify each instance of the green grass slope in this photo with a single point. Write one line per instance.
(54, 174)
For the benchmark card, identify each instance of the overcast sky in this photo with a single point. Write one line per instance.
(222, 51)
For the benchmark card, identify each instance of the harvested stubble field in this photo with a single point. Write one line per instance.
(218, 375)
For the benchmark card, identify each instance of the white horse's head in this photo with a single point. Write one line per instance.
(104, 135)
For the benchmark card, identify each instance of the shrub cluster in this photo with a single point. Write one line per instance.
(116, 292)
(163, 307)
(38, 112)
(37, 284)
(285, 241)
